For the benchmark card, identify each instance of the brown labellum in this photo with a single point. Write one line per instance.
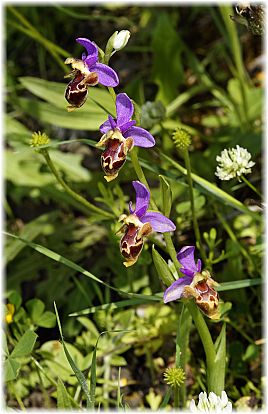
(76, 90)
(114, 156)
(131, 243)
(206, 297)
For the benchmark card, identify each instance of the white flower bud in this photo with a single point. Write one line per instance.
(121, 39)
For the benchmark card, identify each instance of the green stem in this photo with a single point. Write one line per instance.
(91, 208)
(140, 174)
(177, 365)
(41, 369)
(14, 392)
(250, 185)
(207, 342)
(176, 397)
(171, 250)
(106, 377)
(183, 334)
(191, 195)
(234, 45)
(44, 391)
(112, 93)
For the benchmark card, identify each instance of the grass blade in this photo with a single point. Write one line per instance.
(79, 375)
(213, 190)
(59, 258)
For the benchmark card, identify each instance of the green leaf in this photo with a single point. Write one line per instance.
(166, 46)
(63, 399)
(115, 305)
(118, 361)
(30, 231)
(25, 345)
(16, 133)
(47, 320)
(53, 93)
(71, 164)
(53, 111)
(166, 196)
(238, 284)
(35, 308)
(11, 369)
(166, 399)
(251, 353)
(218, 374)
(79, 375)
(52, 115)
(162, 268)
(15, 298)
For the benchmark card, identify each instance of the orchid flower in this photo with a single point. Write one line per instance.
(119, 137)
(195, 283)
(139, 223)
(87, 72)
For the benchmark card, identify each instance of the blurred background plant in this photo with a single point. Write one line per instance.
(191, 67)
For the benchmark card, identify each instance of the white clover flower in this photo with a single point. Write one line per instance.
(211, 403)
(233, 163)
(121, 39)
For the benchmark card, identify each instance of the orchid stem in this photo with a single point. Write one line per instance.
(250, 185)
(171, 250)
(112, 93)
(207, 342)
(183, 334)
(140, 174)
(90, 207)
(191, 194)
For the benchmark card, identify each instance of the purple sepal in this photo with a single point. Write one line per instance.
(130, 207)
(142, 198)
(141, 137)
(124, 109)
(112, 122)
(175, 291)
(126, 126)
(105, 127)
(90, 61)
(186, 259)
(92, 50)
(107, 76)
(158, 222)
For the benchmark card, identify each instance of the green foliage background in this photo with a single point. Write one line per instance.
(184, 57)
